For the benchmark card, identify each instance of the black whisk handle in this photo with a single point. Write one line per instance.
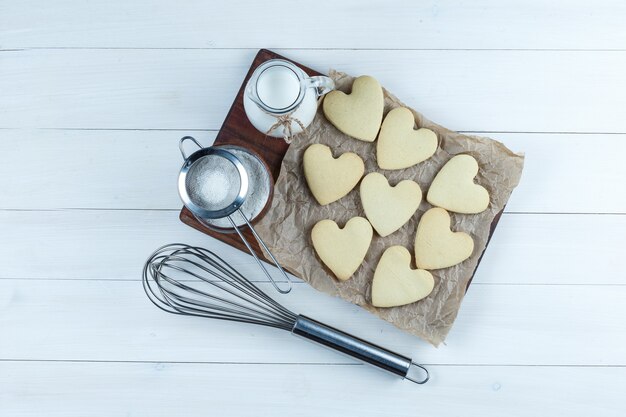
(359, 349)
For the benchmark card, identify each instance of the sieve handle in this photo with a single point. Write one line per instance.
(267, 250)
(182, 140)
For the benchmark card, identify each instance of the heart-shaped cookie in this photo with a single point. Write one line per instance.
(342, 250)
(436, 246)
(399, 145)
(359, 113)
(395, 283)
(328, 178)
(454, 189)
(388, 208)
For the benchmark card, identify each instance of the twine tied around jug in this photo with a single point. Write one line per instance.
(285, 121)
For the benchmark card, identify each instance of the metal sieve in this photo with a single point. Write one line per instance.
(260, 189)
(214, 184)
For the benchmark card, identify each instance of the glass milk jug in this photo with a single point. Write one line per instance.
(280, 99)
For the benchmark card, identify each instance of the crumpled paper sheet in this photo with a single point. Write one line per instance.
(287, 225)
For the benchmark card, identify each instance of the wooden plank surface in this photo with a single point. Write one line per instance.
(554, 248)
(302, 390)
(93, 167)
(116, 317)
(93, 99)
(510, 91)
(395, 24)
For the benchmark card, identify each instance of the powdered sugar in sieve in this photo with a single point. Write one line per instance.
(214, 188)
(213, 182)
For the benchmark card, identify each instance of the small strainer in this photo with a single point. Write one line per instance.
(214, 184)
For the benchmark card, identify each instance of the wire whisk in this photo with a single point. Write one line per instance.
(193, 281)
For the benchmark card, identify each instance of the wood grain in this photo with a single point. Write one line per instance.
(114, 389)
(113, 321)
(71, 244)
(94, 97)
(551, 91)
(349, 24)
(90, 169)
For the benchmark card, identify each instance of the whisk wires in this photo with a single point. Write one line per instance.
(188, 280)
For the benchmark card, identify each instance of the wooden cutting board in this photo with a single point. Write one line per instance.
(237, 130)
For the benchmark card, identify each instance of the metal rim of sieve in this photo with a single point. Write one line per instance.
(253, 216)
(198, 210)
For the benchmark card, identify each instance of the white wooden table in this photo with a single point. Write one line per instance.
(93, 98)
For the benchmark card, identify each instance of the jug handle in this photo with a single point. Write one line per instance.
(321, 84)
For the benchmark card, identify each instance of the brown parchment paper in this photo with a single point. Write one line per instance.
(287, 225)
